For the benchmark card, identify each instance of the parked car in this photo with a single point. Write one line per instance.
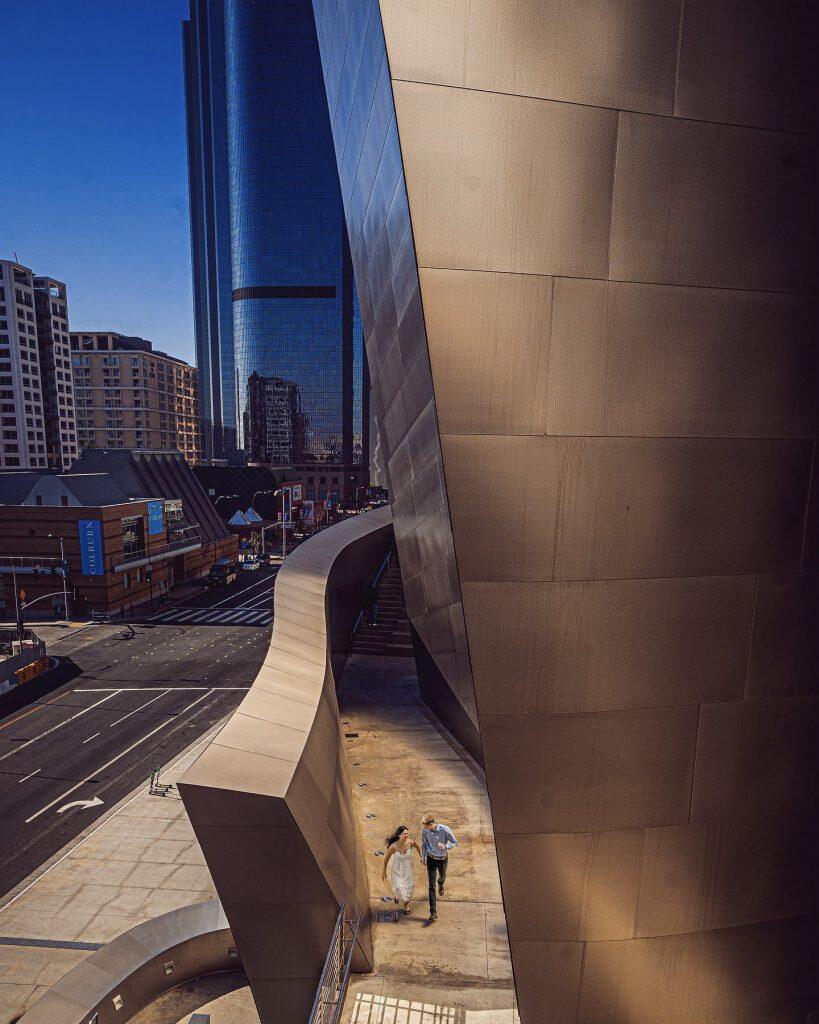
(251, 564)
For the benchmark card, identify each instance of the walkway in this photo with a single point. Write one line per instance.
(456, 971)
(405, 764)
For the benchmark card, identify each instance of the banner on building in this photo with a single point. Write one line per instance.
(93, 563)
(156, 522)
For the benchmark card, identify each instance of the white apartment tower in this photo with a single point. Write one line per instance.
(55, 372)
(22, 430)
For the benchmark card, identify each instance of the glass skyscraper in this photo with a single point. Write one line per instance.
(290, 378)
(206, 112)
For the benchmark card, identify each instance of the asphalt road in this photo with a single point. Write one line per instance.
(145, 691)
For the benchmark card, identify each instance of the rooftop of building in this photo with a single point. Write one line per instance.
(123, 343)
(144, 474)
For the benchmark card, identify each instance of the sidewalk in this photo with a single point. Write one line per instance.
(405, 764)
(140, 861)
(402, 764)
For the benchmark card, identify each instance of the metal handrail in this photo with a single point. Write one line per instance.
(374, 583)
(335, 975)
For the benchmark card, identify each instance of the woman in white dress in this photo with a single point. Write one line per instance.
(402, 871)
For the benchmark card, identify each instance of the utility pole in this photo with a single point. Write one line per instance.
(285, 521)
(64, 567)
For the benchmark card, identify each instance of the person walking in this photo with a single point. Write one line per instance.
(370, 598)
(402, 872)
(436, 842)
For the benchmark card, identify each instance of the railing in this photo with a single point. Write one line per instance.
(27, 563)
(375, 581)
(156, 552)
(332, 986)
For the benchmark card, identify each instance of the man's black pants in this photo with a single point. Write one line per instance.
(435, 868)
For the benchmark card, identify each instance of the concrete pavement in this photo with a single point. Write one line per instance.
(139, 861)
(457, 970)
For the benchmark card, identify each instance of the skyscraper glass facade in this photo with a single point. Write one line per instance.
(204, 51)
(297, 365)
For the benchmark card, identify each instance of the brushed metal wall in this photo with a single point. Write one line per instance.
(269, 798)
(613, 225)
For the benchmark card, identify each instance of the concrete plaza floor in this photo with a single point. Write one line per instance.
(139, 861)
(403, 764)
(143, 860)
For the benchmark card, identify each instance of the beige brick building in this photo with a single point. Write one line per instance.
(129, 396)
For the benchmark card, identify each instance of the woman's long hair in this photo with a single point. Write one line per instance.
(394, 837)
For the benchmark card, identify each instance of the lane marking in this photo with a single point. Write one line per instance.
(118, 757)
(38, 708)
(239, 593)
(141, 706)
(54, 728)
(90, 738)
(129, 800)
(85, 804)
(153, 689)
(30, 775)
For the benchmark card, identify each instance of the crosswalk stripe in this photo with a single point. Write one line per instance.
(189, 614)
(258, 617)
(215, 616)
(228, 616)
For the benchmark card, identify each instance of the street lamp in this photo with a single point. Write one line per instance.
(64, 567)
(253, 509)
(285, 522)
(223, 497)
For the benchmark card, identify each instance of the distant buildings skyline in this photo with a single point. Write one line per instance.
(113, 391)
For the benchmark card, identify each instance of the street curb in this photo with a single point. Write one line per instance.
(56, 858)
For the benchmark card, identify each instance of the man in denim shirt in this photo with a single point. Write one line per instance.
(436, 842)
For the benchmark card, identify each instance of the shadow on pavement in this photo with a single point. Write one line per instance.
(63, 672)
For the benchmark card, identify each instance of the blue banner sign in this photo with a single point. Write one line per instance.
(155, 521)
(93, 563)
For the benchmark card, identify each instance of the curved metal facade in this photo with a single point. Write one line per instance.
(594, 354)
(296, 329)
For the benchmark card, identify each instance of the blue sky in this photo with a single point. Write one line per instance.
(93, 180)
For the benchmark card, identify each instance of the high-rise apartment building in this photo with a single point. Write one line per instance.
(129, 396)
(56, 381)
(296, 347)
(22, 429)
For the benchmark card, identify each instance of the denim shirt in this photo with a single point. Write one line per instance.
(430, 840)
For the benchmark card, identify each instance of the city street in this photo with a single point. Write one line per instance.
(145, 692)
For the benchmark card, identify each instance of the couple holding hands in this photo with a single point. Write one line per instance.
(436, 842)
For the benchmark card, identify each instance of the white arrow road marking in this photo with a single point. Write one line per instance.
(80, 803)
(163, 725)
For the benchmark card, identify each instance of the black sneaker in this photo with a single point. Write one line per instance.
(433, 916)
(440, 890)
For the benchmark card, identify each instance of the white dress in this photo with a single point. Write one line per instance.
(402, 875)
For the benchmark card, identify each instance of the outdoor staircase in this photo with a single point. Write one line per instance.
(391, 637)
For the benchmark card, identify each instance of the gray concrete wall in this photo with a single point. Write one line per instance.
(269, 799)
(594, 355)
(193, 941)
